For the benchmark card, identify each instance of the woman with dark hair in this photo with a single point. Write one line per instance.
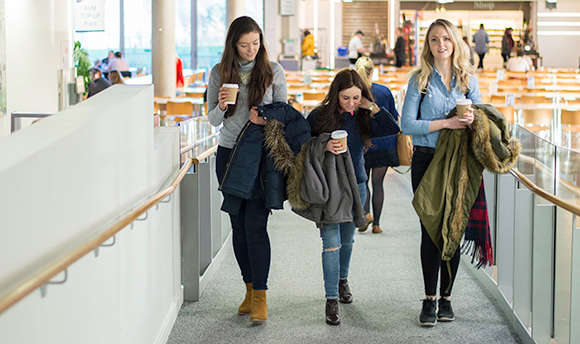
(444, 76)
(245, 62)
(507, 44)
(348, 106)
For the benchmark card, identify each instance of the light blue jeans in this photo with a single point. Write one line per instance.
(337, 241)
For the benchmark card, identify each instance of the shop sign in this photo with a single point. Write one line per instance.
(286, 7)
(483, 5)
(89, 15)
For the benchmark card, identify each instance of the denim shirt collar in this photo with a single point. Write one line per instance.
(452, 84)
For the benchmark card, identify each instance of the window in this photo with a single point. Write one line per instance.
(211, 32)
(183, 31)
(99, 43)
(138, 33)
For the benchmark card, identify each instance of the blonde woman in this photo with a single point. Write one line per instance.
(383, 150)
(444, 75)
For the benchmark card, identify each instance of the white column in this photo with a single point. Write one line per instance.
(163, 47)
(31, 56)
(235, 8)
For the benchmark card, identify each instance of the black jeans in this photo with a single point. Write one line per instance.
(430, 255)
(249, 233)
(480, 64)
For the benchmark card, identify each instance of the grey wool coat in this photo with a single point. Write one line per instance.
(323, 187)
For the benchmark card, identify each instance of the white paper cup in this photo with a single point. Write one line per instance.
(342, 136)
(462, 105)
(232, 93)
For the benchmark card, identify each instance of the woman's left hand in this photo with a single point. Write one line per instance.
(468, 116)
(254, 118)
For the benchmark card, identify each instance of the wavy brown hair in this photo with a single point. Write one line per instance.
(262, 74)
(329, 116)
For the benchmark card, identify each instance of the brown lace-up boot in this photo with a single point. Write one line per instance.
(246, 305)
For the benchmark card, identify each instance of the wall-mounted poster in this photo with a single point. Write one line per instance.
(287, 7)
(89, 15)
(2, 59)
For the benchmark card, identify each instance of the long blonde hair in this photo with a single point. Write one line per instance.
(460, 64)
(364, 67)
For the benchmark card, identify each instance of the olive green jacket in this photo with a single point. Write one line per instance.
(450, 185)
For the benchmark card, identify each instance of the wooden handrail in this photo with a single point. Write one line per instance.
(574, 209)
(25, 287)
(203, 155)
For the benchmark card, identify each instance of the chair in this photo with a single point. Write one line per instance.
(537, 120)
(527, 99)
(570, 117)
(497, 100)
(570, 128)
(179, 108)
(310, 95)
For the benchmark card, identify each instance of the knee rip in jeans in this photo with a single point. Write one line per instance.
(331, 249)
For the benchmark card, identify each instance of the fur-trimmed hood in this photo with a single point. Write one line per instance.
(450, 185)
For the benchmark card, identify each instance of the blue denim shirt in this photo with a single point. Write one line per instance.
(437, 104)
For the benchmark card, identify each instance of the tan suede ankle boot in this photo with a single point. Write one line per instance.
(246, 305)
(259, 311)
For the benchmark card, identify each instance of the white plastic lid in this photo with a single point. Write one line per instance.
(339, 134)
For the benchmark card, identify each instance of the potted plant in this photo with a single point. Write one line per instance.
(82, 65)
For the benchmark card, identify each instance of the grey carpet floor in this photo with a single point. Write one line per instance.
(385, 277)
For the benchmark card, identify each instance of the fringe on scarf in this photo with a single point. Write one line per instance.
(477, 240)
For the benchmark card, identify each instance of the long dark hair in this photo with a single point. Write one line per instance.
(329, 116)
(261, 76)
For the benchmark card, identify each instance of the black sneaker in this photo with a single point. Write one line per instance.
(445, 311)
(427, 317)
(344, 293)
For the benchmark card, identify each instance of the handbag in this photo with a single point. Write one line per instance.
(404, 149)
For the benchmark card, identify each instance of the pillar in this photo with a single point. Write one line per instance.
(163, 47)
(235, 8)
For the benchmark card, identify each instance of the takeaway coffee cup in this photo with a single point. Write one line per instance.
(232, 93)
(340, 135)
(462, 105)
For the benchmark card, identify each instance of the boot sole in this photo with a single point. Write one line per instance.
(332, 324)
(427, 324)
(445, 319)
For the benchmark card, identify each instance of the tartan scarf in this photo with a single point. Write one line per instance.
(477, 240)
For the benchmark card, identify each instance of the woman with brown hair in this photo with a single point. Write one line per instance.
(348, 106)
(245, 63)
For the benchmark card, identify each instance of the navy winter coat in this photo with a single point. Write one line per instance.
(260, 159)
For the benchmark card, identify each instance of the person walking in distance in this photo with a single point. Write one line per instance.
(481, 40)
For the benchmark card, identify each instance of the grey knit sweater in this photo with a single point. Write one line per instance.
(276, 92)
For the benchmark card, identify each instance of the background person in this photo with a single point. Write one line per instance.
(507, 44)
(383, 150)
(355, 47)
(400, 55)
(98, 83)
(116, 78)
(481, 40)
(245, 62)
(119, 64)
(308, 44)
(443, 76)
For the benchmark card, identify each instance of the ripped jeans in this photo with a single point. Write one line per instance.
(337, 241)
